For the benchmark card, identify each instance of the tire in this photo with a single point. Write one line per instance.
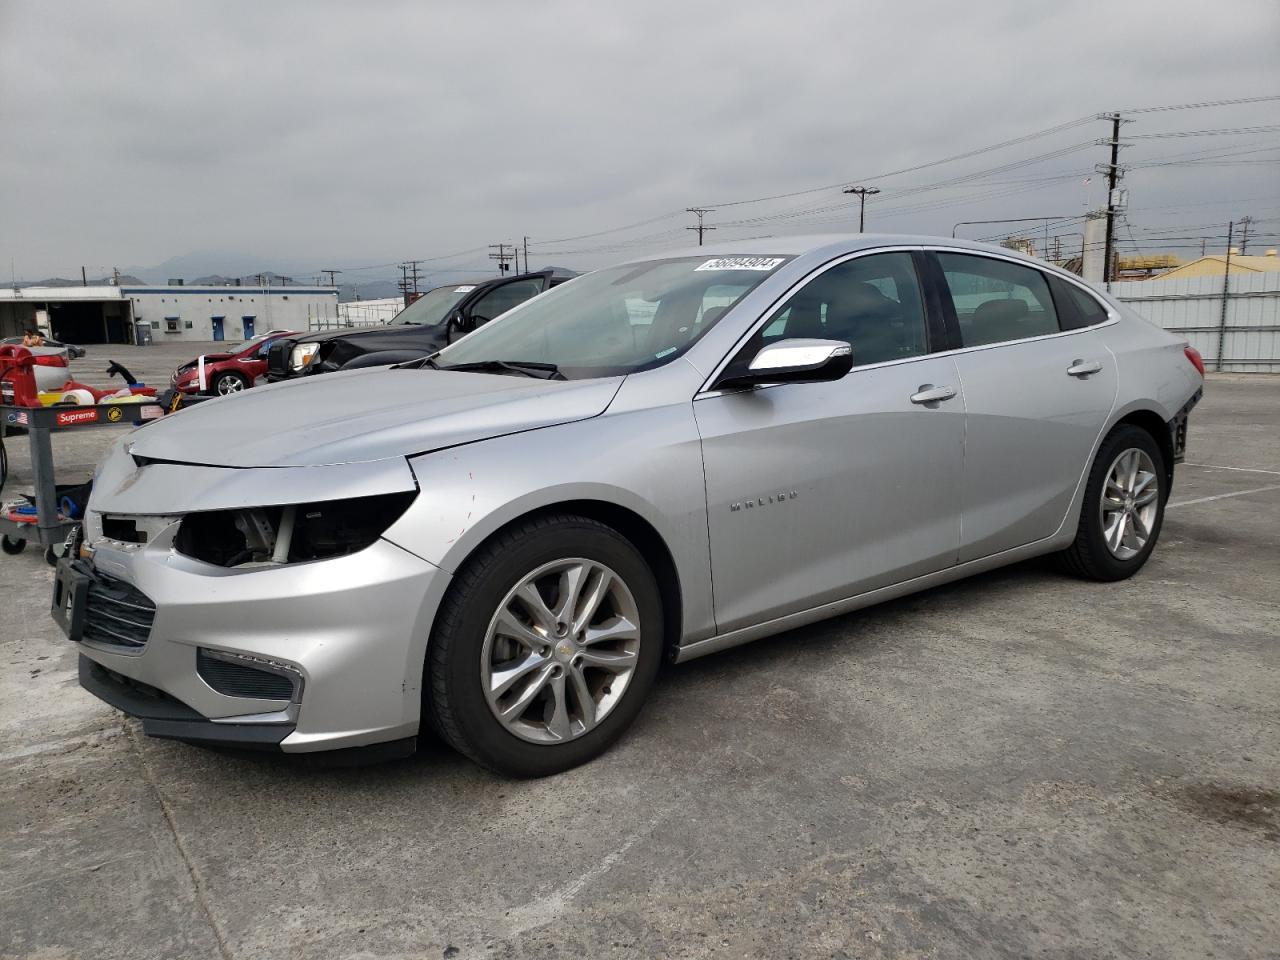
(11, 545)
(465, 647)
(227, 383)
(1090, 555)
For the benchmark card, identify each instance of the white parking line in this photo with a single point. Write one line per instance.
(1214, 466)
(1222, 496)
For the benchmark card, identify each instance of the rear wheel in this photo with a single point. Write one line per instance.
(1123, 507)
(545, 647)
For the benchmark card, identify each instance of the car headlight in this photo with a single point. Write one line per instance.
(302, 355)
(294, 533)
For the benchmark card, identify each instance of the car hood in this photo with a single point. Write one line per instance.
(364, 415)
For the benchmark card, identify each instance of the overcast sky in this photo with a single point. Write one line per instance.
(297, 136)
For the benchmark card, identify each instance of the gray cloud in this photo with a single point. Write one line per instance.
(331, 134)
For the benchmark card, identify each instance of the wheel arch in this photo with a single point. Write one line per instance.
(642, 535)
(1153, 423)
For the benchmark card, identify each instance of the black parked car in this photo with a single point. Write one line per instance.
(430, 323)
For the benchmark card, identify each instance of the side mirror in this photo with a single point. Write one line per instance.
(793, 361)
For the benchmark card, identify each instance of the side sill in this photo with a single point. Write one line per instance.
(758, 631)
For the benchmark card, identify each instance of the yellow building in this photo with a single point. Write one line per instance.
(1213, 266)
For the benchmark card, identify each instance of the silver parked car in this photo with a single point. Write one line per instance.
(657, 460)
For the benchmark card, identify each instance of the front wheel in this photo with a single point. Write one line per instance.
(225, 383)
(1123, 507)
(545, 647)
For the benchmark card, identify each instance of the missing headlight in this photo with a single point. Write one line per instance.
(289, 534)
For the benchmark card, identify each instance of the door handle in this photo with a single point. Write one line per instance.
(1082, 368)
(928, 393)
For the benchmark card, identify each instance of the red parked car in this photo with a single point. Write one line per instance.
(228, 372)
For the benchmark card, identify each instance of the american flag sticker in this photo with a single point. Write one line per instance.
(18, 416)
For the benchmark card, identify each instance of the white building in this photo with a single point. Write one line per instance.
(364, 313)
(127, 314)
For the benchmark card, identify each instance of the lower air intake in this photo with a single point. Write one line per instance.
(233, 678)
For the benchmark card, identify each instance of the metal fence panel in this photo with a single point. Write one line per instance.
(1192, 306)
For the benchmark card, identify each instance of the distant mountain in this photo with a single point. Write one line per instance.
(125, 280)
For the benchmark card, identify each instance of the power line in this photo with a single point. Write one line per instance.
(1203, 103)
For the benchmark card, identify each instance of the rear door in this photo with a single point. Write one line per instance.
(1036, 396)
(821, 491)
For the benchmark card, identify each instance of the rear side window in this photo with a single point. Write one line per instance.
(1077, 308)
(997, 301)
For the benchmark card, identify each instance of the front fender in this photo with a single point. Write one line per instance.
(646, 461)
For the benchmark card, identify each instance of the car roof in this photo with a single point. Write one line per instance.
(830, 244)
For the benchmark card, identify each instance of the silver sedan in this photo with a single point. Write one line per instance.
(654, 461)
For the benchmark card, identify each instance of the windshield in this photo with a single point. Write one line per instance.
(433, 306)
(617, 320)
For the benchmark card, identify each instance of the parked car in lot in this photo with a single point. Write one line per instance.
(69, 351)
(227, 372)
(430, 323)
(505, 539)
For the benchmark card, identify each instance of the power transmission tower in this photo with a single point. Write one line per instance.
(700, 212)
(862, 193)
(505, 252)
(331, 275)
(1245, 223)
(1113, 172)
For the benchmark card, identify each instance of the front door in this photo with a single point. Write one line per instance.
(821, 491)
(1036, 397)
(217, 328)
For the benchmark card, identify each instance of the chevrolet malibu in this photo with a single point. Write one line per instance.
(654, 461)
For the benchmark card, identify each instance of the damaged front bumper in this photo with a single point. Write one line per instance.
(300, 657)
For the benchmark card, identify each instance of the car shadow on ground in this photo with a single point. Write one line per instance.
(856, 634)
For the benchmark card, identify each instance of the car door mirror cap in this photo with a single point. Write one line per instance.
(794, 361)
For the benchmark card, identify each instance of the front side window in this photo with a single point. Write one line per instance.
(872, 303)
(996, 300)
(432, 308)
(618, 320)
(501, 299)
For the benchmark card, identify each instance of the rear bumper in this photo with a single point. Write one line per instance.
(1178, 427)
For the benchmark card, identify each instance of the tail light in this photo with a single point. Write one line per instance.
(1193, 355)
(50, 360)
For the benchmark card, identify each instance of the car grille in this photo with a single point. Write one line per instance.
(241, 680)
(117, 614)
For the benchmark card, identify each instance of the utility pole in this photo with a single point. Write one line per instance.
(862, 193)
(84, 280)
(413, 275)
(1226, 292)
(700, 212)
(505, 252)
(1245, 223)
(1112, 170)
(403, 282)
(331, 275)
(526, 254)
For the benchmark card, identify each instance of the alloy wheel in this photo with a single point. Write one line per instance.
(1130, 503)
(230, 385)
(560, 651)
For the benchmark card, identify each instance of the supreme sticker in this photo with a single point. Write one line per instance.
(67, 417)
(741, 263)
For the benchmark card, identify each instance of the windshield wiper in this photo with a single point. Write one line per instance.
(526, 368)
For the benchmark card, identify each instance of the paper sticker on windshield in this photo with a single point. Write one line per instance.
(741, 263)
(464, 289)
